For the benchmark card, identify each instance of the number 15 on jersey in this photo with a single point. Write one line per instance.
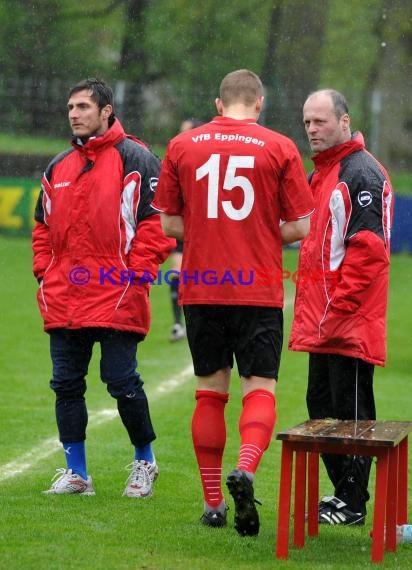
(211, 169)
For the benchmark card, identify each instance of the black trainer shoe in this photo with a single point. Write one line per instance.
(246, 515)
(334, 511)
(214, 519)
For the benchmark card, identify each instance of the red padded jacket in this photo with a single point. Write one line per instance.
(97, 233)
(341, 300)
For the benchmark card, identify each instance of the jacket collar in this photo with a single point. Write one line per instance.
(335, 154)
(112, 136)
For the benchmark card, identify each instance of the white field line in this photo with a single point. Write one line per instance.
(51, 445)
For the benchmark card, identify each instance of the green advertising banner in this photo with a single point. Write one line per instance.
(18, 197)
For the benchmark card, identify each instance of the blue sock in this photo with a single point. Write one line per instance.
(145, 453)
(76, 457)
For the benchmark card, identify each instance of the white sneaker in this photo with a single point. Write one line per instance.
(140, 481)
(66, 482)
(178, 332)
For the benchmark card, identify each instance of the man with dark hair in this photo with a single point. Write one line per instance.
(96, 235)
(340, 318)
(235, 191)
(100, 93)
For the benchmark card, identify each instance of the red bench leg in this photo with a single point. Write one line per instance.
(313, 494)
(300, 496)
(381, 490)
(392, 500)
(403, 482)
(282, 543)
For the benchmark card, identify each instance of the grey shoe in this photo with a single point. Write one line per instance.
(178, 332)
(143, 474)
(68, 483)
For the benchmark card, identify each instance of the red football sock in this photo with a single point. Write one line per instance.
(209, 440)
(256, 425)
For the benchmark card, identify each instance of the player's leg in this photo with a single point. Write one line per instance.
(118, 370)
(258, 350)
(320, 404)
(319, 399)
(71, 351)
(178, 330)
(258, 338)
(212, 363)
(351, 383)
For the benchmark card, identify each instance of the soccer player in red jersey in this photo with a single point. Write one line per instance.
(234, 192)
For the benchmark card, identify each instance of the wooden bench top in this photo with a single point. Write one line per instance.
(363, 432)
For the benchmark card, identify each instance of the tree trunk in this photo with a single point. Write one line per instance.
(292, 67)
(134, 64)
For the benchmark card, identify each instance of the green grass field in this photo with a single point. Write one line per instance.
(113, 532)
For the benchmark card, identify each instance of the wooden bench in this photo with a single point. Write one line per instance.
(385, 440)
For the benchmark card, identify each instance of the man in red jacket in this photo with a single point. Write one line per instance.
(340, 307)
(96, 241)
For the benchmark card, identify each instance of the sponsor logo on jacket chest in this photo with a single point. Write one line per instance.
(61, 184)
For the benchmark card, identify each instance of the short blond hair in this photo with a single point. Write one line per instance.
(241, 86)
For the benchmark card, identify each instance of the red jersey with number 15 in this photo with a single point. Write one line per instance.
(233, 181)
